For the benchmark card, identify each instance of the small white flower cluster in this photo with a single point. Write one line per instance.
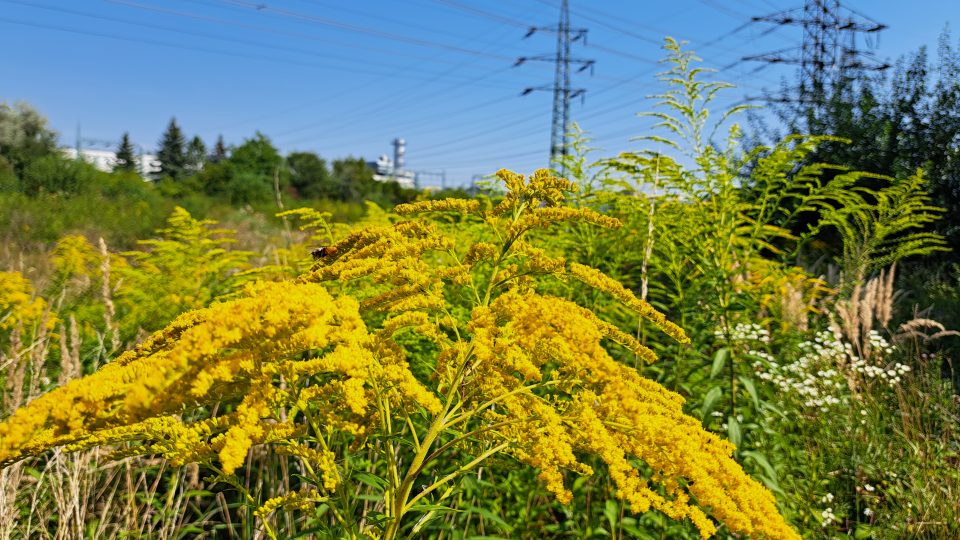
(747, 332)
(876, 342)
(890, 375)
(827, 515)
(763, 355)
(817, 377)
(812, 377)
(879, 348)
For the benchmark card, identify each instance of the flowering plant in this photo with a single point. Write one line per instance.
(322, 377)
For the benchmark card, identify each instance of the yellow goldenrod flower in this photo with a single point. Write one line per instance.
(18, 306)
(603, 282)
(524, 373)
(445, 205)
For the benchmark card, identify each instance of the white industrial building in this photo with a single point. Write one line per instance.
(147, 164)
(391, 170)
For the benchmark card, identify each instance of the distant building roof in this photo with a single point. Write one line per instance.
(105, 160)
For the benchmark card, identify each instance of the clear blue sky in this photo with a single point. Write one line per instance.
(345, 78)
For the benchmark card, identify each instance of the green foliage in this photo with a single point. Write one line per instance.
(880, 227)
(189, 266)
(126, 210)
(219, 150)
(24, 135)
(172, 152)
(310, 177)
(715, 235)
(56, 174)
(257, 156)
(196, 155)
(895, 125)
(8, 177)
(353, 178)
(248, 175)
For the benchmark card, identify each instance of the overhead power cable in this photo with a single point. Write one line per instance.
(345, 68)
(333, 23)
(483, 13)
(264, 29)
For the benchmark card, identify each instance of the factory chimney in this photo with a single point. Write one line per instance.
(399, 152)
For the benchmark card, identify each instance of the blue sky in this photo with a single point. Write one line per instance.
(345, 78)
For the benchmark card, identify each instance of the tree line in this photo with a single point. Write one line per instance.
(251, 172)
(890, 124)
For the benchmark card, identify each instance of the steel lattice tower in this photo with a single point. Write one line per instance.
(829, 56)
(563, 93)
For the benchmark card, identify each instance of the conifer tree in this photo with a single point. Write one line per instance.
(172, 154)
(126, 158)
(196, 155)
(219, 150)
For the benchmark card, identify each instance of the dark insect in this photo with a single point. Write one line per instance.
(322, 252)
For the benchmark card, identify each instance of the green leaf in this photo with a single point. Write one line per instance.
(492, 517)
(733, 430)
(709, 401)
(719, 360)
(369, 479)
(431, 508)
(611, 510)
(761, 461)
(751, 389)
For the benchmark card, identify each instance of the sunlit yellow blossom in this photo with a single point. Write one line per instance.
(445, 205)
(322, 459)
(614, 413)
(603, 282)
(298, 500)
(230, 349)
(480, 251)
(541, 188)
(547, 216)
(18, 306)
(74, 256)
(510, 370)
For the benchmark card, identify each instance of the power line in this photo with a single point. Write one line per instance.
(397, 104)
(483, 13)
(391, 22)
(501, 126)
(348, 68)
(300, 35)
(828, 55)
(593, 14)
(333, 23)
(609, 26)
(724, 9)
(474, 80)
(156, 42)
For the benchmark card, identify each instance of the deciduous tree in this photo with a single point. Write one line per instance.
(24, 135)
